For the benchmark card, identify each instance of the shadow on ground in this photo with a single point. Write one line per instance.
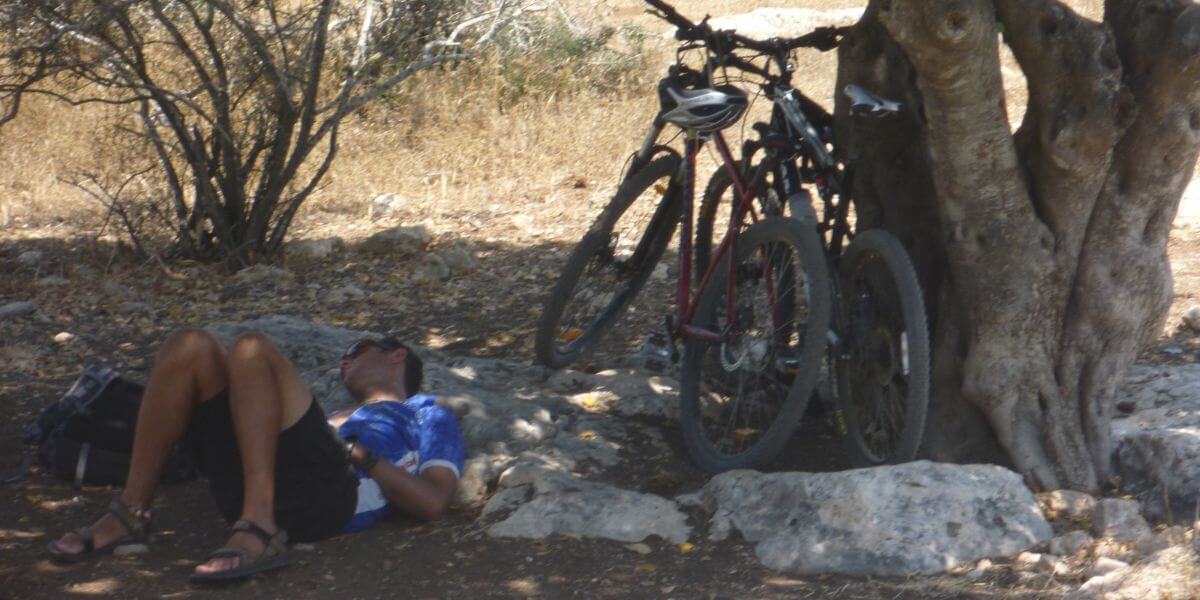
(116, 308)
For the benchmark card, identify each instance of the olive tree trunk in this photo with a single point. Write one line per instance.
(1042, 251)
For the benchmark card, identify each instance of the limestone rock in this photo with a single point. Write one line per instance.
(1171, 536)
(596, 510)
(1191, 319)
(399, 242)
(569, 381)
(31, 258)
(431, 268)
(506, 500)
(1120, 520)
(315, 249)
(1148, 386)
(1105, 565)
(459, 260)
(512, 422)
(130, 549)
(261, 274)
(16, 309)
(626, 392)
(386, 205)
(1070, 543)
(1157, 448)
(314, 349)
(1110, 548)
(479, 473)
(1067, 506)
(918, 517)
(1042, 563)
(981, 570)
(1172, 573)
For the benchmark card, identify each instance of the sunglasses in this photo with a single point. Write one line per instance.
(357, 348)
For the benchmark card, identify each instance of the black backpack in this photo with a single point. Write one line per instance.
(87, 435)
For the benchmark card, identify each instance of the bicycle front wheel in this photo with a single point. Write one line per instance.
(611, 264)
(884, 367)
(741, 398)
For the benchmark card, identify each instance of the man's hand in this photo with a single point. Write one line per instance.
(426, 496)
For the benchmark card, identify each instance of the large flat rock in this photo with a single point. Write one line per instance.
(1156, 450)
(918, 517)
(506, 410)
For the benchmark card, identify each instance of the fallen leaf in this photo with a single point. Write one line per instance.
(647, 568)
(686, 547)
(639, 548)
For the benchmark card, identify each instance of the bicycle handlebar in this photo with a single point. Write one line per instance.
(726, 41)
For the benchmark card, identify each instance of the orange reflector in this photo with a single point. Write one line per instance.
(743, 433)
(571, 335)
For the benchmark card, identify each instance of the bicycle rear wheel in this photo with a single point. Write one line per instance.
(741, 398)
(884, 366)
(611, 264)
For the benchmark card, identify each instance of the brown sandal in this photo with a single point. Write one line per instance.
(275, 554)
(137, 531)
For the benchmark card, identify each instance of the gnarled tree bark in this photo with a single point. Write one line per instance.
(1042, 252)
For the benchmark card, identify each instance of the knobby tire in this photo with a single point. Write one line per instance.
(700, 374)
(549, 347)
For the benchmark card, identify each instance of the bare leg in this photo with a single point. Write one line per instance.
(266, 396)
(189, 369)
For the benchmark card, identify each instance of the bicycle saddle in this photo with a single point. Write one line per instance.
(862, 101)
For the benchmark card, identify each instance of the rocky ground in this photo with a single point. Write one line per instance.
(576, 483)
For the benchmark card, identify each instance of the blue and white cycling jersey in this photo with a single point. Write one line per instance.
(414, 435)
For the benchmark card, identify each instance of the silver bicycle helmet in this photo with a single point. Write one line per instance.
(705, 109)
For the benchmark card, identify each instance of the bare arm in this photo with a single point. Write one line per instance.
(425, 496)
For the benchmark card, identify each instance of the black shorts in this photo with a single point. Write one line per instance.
(316, 489)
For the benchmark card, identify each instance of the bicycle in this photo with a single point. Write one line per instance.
(743, 388)
(880, 348)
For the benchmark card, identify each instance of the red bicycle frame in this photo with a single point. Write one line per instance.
(687, 302)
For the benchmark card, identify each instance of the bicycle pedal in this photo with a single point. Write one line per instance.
(788, 365)
(655, 354)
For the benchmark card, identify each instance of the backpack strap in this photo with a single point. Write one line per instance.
(81, 464)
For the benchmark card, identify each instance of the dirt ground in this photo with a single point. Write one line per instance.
(117, 308)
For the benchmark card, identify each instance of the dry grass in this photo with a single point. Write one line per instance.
(50, 143)
(457, 146)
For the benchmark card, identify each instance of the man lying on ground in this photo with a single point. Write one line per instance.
(277, 469)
